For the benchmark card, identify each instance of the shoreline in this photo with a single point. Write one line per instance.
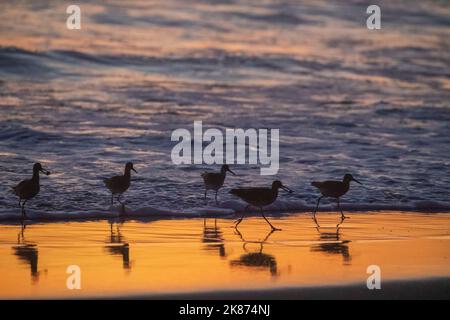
(197, 258)
(158, 216)
(436, 288)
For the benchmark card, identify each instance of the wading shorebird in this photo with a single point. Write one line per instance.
(119, 184)
(215, 180)
(28, 189)
(259, 197)
(333, 189)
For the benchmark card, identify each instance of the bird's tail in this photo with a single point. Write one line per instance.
(316, 184)
(204, 176)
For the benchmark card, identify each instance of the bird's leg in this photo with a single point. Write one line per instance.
(268, 235)
(24, 215)
(122, 208)
(118, 199)
(315, 221)
(273, 228)
(240, 236)
(216, 197)
(21, 236)
(339, 224)
(238, 221)
(317, 206)
(342, 213)
(112, 199)
(20, 202)
(241, 218)
(206, 191)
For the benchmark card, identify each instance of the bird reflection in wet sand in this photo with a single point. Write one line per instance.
(213, 239)
(332, 242)
(118, 247)
(28, 253)
(256, 259)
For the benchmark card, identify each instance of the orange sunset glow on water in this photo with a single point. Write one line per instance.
(155, 257)
(130, 145)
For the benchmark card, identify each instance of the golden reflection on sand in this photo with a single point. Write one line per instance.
(125, 257)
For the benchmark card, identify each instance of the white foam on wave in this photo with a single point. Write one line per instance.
(189, 212)
(283, 206)
(224, 209)
(115, 212)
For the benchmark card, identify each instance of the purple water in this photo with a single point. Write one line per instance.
(345, 98)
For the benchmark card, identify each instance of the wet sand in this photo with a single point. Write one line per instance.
(197, 258)
(423, 289)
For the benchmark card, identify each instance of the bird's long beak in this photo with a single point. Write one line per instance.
(357, 181)
(134, 170)
(286, 189)
(45, 172)
(231, 172)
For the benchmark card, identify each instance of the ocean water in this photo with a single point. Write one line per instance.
(374, 103)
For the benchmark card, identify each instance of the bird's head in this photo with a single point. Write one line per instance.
(129, 166)
(38, 167)
(226, 168)
(278, 185)
(348, 177)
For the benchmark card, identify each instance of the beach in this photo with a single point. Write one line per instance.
(94, 115)
(412, 289)
(208, 259)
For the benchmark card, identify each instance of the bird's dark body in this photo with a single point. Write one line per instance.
(27, 189)
(118, 184)
(333, 189)
(258, 197)
(213, 180)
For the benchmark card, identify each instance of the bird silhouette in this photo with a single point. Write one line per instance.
(214, 180)
(119, 184)
(259, 197)
(333, 189)
(29, 188)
